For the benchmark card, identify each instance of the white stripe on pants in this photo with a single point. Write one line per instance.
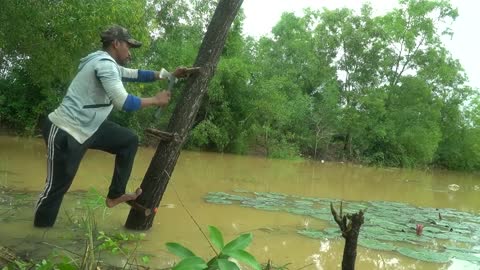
(50, 157)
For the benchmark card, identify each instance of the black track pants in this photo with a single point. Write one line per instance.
(63, 160)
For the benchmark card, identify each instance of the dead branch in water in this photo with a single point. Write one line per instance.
(350, 227)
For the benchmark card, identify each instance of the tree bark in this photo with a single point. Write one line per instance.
(163, 162)
(350, 227)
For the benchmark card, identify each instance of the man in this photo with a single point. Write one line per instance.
(79, 123)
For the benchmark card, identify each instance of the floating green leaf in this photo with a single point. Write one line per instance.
(465, 256)
(389, 226)
(377, 245)
(424, 255)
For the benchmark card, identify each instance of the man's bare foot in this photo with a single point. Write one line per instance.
(125, 197)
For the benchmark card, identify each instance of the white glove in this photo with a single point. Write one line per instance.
(164, 74)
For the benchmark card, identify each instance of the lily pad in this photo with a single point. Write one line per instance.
(389, 226)
(377, 245)
(425, 255)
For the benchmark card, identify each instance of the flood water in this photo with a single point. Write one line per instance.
(275, 237)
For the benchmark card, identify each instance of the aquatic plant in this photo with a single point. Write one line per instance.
(11, 201)
(389, 226)
(223, 259)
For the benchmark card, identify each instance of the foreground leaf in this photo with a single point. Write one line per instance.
(179, 250)
(244, 257)
(224, 264)
(240, 242)
(216, 237)
(191, 263)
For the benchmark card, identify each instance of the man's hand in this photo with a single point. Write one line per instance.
(162, 98)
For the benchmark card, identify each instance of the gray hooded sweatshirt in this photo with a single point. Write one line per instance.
(94, 92)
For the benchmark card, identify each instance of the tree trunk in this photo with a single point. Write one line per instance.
(163, 162)
(350, 227)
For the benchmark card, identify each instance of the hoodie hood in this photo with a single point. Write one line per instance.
(94, 55)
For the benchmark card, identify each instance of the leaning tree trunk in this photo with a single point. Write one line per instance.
(165, 158)
(350, 227)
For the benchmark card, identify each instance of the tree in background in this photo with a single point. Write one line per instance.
(43, 41)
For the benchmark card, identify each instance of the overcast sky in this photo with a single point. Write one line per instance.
(262, 15)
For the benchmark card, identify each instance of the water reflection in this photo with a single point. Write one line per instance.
(316, 258)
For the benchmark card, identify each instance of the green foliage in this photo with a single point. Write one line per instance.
(413, 124)
(44, 49)
(193, 263)
(216, 237)
(232, 250)
(460, 143)
(57, 262)
(20, 102)
(114, 243)
(282, 149)
(179, 250)
(206, 133)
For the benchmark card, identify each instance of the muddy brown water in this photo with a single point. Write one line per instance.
(23, 170)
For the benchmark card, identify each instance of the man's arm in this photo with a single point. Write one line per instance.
(133, 103)
(139, 75)
(160, 99)
(108, 75)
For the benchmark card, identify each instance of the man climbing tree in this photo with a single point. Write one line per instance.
(166, 155)
(80, 122)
